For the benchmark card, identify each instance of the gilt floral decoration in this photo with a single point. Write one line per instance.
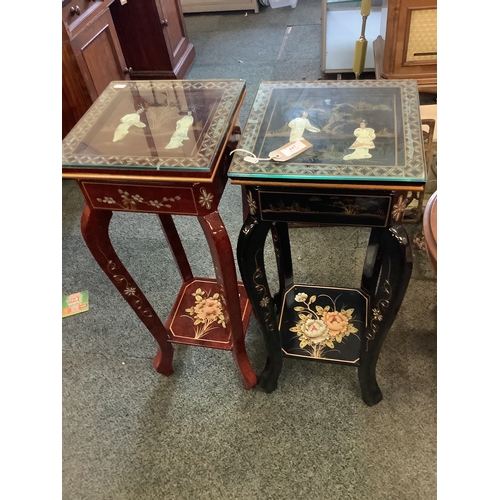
(207, 312)
(321, 327)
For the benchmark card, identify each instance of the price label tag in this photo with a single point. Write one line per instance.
(290, 150)
(294, 149)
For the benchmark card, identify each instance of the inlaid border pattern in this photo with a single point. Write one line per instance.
(414, 152)
(231, 92)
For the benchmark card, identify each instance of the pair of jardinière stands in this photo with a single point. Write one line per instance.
(331, 153)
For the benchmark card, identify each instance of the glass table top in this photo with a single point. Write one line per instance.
(360, 131)
(154, 128)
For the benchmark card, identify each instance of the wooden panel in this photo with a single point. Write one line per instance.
(406, 48)
(175, 29)
(140, 32)
(75, 96)
(153, 38)
(99, 56)
(140, 197)
(76, 14)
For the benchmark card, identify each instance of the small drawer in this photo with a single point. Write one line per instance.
(131, 197)
(74, 12)
(345, 209)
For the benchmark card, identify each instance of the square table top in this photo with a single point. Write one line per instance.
(361, 131)
(154, 129)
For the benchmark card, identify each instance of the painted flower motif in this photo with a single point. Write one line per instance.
(321, 327)
(206, 313)
(207, 310)
(155, 203)
(177, 198)
(399, 208)
(107, 199)
(127, 201)
(377, 315)
(264, 302)
(314, 330)
(336, 321)
(252, 205)
(129, 290)
(205, 198)
(130, 202)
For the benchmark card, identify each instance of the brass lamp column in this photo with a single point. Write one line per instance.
(361, 43)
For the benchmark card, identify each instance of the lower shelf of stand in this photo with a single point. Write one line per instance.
(323, 323)
(197, 318)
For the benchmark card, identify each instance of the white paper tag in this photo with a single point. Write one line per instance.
(295, 148)
(290, 150)
(123, 2)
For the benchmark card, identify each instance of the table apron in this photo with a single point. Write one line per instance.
(193, 199)
(349, 208)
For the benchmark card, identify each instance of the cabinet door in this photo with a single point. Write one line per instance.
(75, 96)
(175, 33)
(99, 55)
(153, 38)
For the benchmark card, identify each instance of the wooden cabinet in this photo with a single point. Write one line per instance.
(97, 51)
(75, 95)
(91, 57)
(407, 45)
(153, 38)
(77, 13)
(105, 41)
(219, 5)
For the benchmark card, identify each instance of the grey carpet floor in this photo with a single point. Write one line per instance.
(130, 433)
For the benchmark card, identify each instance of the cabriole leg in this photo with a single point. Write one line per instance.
(95, 231)
(386, 274)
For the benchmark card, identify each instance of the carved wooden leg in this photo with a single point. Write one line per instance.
(225, 271)
(170, 232)
(95, 231)
(386, 274)
(283, 253)
(250, 252)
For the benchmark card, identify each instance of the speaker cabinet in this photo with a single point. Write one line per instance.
(407, 45)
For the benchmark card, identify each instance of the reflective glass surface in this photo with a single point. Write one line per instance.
(363, 130)
(154, 126)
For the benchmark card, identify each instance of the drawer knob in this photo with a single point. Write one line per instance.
(164, 22)
(128, 71)
(75, 10)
